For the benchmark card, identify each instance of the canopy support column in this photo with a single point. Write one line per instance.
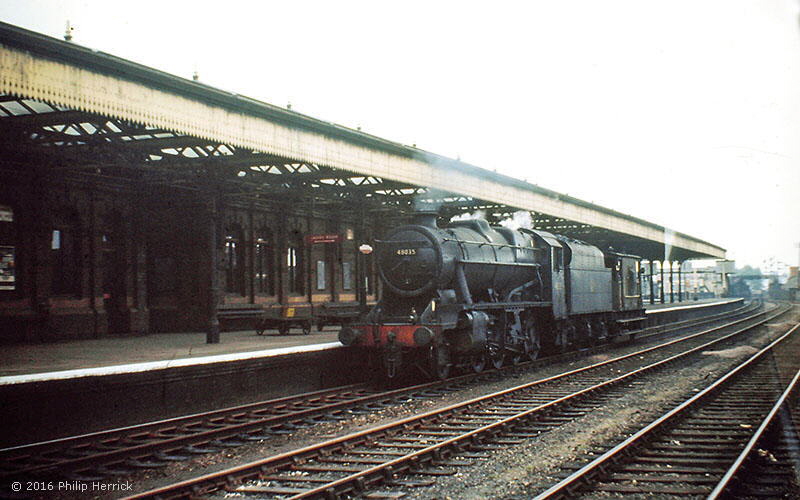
(212, 332)
(671, 283)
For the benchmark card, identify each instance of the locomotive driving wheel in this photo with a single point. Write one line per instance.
(520, 353)
(496, 342)
(439, 361)
(495, 356)
(477, 364)
(517, 352)
(532, 341)
(528, 344)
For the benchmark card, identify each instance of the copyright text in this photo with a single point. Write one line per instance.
(78, 486)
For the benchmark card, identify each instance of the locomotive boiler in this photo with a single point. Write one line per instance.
(471, 294)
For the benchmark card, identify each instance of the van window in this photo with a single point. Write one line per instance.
(558, 258)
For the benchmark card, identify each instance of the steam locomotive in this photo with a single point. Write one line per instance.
(471, 294)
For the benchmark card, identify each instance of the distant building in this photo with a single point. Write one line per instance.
(708, 281)
(792, 285)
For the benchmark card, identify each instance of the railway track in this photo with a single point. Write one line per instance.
(768, 464)
(411, 451)
(707, 446)
(123, 451)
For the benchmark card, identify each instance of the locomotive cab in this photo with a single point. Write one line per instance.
(553, 277)
(626, 281)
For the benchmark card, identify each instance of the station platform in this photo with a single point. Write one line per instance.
(120, 354)
(65, 388)
(685, 303)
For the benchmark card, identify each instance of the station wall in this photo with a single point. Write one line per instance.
(83, 259)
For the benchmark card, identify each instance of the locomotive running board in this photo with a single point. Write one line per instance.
(630, 320)
(515, 305)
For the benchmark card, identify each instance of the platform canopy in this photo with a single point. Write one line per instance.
(91, 115)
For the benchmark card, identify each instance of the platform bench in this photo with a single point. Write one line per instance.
(335, 314)
(284, 318)
(254, 315)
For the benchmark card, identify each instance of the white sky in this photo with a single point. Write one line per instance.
(684, 113)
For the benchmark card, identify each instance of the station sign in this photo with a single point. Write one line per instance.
(7, 268)
(312, 239)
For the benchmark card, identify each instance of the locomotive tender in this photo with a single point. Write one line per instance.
(470, 294)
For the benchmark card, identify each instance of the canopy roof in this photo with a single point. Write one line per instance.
(89, 113)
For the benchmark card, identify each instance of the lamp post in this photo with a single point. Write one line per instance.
(363, 250)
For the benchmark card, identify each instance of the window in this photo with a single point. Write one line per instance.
(294, 263)
(347, 275)
(65, 252)
(265, 263)
(234, 260)
(321, 281)
(558, 258)
(8, 274)
(632, 285)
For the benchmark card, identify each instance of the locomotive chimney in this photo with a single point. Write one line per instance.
(426, 218)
